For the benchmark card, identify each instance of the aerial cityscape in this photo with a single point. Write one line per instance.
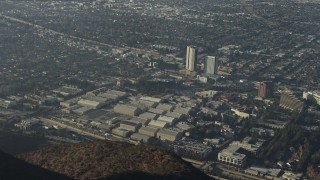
(172, 89)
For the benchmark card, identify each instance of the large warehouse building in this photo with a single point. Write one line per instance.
(130, 126)
(127, 110)
(150, 131)
(169, 135)
(158, 124)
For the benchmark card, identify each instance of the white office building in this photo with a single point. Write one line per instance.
(211, 65)
(191, 58)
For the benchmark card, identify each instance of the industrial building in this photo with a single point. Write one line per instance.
(170, 120)
(141, 137)
(169, 135)
(157, 111)
(140, 120)
(174, 115)
(96, 91)
(93, 102)
(152, 99)
(67, 91)
(148, 104)
(185, 127)
(130, 126)
(149, 116)
(69, 102)
(112, 121)
(144, 104)
(191, 58)
(165, 107)
(231, 156)
(182, 110)
(81, 110)
(150, 131)
(158, 124)
(127, 110)
(121, 132)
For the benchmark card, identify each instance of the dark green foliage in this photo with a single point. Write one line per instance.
(114, 160)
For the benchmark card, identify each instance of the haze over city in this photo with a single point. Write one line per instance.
(160, 89)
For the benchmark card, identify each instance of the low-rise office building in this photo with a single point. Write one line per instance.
(231, 156)
(192, 149)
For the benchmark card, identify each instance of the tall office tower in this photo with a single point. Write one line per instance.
(191, 58)
(211, 65)
(265, 89)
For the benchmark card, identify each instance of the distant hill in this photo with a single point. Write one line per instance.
(112, 160)
(13, 168)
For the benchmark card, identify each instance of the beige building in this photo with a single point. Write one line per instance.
(169, 135)
(127, 110)
(150, 131)
(191, 58)
(158, 124)
(130, 126)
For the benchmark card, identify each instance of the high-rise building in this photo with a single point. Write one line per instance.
(191, 58)
(265, 89)
(211, 65)
(289, 101)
